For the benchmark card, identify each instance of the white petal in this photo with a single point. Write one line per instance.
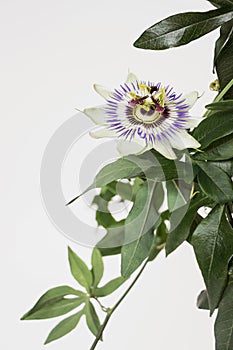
(97, 115)
(125, 147)
(165, 149)
(101, 132)
(190, 98)
(183, 140)
(192, 122)
(131, 78)
(102, 91)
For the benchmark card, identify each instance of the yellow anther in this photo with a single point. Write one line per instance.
(160, 95)
(133, 95)
(144, 87)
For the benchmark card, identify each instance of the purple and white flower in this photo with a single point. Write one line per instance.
(144, 115)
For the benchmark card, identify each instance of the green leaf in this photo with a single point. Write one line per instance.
(103, 216)
(224, 66)
(112, 242)
(109, 287)
(221, 149)
(150, 165)
(179, 233)
(182, 28)
(224, 105)
(80, 270)
(225, 34)
(137, 184)
(215, 182)
(203, 301)
(53, 303)
(124, 190)
(159, 239)
(213, 128)
(139, 225)
(92, 318)
(226, 166)
(221, 3)
(224, 321)
(97, 267)
(178, 194)
(133, 254)
(64, 327)
(213, 246)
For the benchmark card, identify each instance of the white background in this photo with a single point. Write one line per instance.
(51, 54)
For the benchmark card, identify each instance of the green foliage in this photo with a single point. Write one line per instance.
(223, 57)
(221, 149)
(178, 194)
(225, 34)
(225, 105)
(112, 242)
(150, 165)
(139, 226)
(203, 301)
(212, 255)
(221, 3)
(53, 303)
(109, 287)
(178, 233)
(103, 216)
(215, 183)
(64, 327)
(181, 29)
(80, 270)
(160, 237)
(224, 321)
(214, 128)
(92, 318)
(141, 179)
(97, 267)
(61, 300)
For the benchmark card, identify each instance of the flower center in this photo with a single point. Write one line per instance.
(148, 104)
(146, 114)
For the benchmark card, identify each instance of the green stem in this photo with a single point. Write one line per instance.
(220, 96)
(110, 311)
(103, 308)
